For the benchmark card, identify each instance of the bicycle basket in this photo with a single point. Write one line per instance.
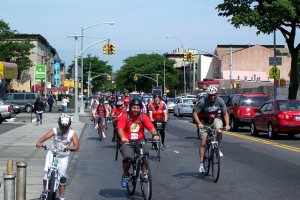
(159, 125)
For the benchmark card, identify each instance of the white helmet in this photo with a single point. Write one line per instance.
(64, 120)
(212, 89)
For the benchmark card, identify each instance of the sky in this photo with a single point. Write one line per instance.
(140, 26)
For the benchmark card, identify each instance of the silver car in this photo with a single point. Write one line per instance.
(171, 104)
(184, 106)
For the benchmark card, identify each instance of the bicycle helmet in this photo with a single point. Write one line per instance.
(157, 95)
(136, 102)
(212, 90)
(101, 100)
(64, 120)
(119, 103)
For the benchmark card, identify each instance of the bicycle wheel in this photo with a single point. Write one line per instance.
(158, 147)
(99, 133)
(117, 148)
(146, 180)
(206, 159)
(51, 187)
(215, 163)
(131, 184)
(198, 133)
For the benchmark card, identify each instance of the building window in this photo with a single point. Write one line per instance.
(216, 70)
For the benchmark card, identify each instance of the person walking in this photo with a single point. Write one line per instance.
(64, 104)
(50, 103)
(39, 108)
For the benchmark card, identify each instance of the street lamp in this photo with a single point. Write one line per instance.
(82, 29)
(184, 82)
(229, 63)
(164, 71)
(76, 116)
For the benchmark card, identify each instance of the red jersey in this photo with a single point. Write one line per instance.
(101, 110)
(134, 128)
(126, 100)
(118, 112)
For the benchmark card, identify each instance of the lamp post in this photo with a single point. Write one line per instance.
(229, 63)
(76, 116)
(82, 29)
(184, 81)
(164, 70)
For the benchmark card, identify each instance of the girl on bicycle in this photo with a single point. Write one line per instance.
(63, 138)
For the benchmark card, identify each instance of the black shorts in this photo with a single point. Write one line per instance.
(128, 151)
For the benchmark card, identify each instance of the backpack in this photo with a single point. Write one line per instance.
(129, 119)
(104, 109)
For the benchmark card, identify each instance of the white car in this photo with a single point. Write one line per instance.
(171, 104)
(184, 106)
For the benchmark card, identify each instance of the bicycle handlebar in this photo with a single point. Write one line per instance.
(141, 142)
(45, 147)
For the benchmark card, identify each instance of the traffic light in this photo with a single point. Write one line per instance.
(185, 57)
(112, 49)
(135, 78)
(189, 56)
(192, 57)
(108, 77)
(106, 49)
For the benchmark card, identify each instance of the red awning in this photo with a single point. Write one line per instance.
(205, 84)
(52, 89)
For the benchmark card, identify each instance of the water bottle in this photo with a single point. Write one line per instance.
(124, 182)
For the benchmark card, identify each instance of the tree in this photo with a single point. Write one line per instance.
(96, 67)
(268, 16)
(12, 50)
(146, 64)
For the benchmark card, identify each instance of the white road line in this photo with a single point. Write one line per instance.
(176, 151)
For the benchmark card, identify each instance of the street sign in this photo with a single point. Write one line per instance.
(274, 72)
(275, 61)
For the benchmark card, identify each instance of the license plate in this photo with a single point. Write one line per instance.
(297, 118)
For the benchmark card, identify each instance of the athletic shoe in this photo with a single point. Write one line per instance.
(221, 154)
(163, 147)
(103, 134)
(44, 195)
(201, 168)
(96, 126)
(145, 177)
(124, 180)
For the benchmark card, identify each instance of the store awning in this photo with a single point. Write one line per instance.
(8, 70)
(38, 87)
(206, 84)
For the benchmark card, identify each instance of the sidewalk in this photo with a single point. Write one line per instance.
(18, 145)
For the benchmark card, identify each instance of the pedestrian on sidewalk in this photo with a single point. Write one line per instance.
(39, 108)
(64, 138)
(50, 103)
(64, 104)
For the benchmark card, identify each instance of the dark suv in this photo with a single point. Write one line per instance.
(241, 107)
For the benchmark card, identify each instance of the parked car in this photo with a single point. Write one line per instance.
(24, 99)
(184, 106)
(16, 108)
(277, 116)
(171, 104)
(6, 112)
(240, 108)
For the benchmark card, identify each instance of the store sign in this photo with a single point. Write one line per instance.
(40, 73)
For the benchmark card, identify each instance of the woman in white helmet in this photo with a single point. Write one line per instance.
(208, 112)
(65, 140)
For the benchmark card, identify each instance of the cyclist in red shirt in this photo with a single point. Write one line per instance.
(101, 113)
(158, 112)
(125, 100)
(117, 112)
(131, 127)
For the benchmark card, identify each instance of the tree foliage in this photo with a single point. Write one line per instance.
(149, 64)
(14, 51)
(268, 16)
(96, 67)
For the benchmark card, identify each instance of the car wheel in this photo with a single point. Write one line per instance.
(233, 124)
(28, 109)
(253, 129)
(271, 132)
(1, 120)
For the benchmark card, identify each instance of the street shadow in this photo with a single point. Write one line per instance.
(113, 146)
(195, 175)
(96, 138)
(115, 193)
(191, 138)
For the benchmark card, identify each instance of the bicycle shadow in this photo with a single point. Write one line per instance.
(117, 193)
(195, 175)
(93, 138)
(192, 138)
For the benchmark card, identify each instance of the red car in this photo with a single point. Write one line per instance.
(277, 116)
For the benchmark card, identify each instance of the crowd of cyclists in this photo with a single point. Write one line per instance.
(130, 118)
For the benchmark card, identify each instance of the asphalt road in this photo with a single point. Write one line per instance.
(252, 168)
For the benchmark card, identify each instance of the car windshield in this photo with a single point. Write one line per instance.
(189, 101)
(257, 101)
(173, 100)
(289, 105)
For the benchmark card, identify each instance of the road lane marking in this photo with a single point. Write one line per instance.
(263, 141)
(176, 151)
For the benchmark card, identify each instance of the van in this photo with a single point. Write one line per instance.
(25, 100)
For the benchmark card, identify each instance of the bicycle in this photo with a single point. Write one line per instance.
(53, 174)
(140, 170)
(211, 154)
(159, 125)
(101, 127)
(116, 137)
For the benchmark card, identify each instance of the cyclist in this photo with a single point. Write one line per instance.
(158, 112)
(63, 137)
(117, 112)
(126, 99)
(102, 113)
(131, 127)
(208, 112)
(165, 98)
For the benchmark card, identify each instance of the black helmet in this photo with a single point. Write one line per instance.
(101, 100)
(136, 102)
